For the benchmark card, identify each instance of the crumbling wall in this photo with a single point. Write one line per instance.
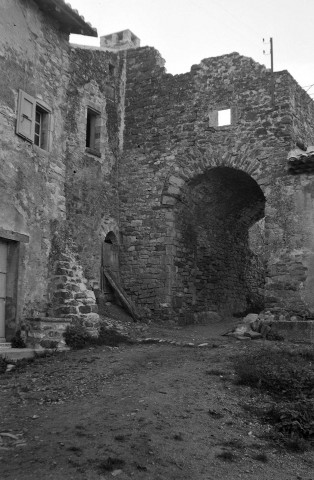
(171, 139)
(91, 185)
(291, 233)
(33, 57)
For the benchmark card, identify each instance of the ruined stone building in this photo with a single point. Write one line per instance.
(181, 185)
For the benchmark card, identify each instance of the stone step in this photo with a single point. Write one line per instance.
(14, 354)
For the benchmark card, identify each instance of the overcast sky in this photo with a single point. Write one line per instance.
(186, 31)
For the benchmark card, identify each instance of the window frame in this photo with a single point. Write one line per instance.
(93, 131)
(213, 117)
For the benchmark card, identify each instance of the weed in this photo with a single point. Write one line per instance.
(235, 443)
(110, 336)
(261, 457)
(3, 365)
(227, 456)
(214, 371)
(74, 449)
(18, 341)
(215, 414)
(110, 464)
(76, 336)
(298, 445)
(287, 374)
(279, 372)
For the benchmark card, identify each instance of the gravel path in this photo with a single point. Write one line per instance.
(144, 411)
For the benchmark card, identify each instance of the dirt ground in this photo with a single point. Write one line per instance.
(146, 411)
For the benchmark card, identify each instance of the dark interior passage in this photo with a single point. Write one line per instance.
(216, 270)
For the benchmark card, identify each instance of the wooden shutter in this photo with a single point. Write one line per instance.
(26, 116)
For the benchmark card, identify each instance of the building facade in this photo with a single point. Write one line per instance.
(179, 184)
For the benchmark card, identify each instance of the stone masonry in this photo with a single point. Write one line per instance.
(209, 216)
(213, 220)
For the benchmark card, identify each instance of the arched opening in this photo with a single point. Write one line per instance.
(110, 263)
(111, 239)
(216, 268)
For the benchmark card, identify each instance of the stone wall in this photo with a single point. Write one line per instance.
(91, 177)
(33, 57)
(206, 216)
(188, 254)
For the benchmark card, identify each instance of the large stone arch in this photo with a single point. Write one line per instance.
(211, 206)
(195, 162)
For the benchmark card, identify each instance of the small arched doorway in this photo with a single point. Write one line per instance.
(109, 262)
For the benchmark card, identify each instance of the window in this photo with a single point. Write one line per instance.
(224, 117)
(33, 120)
(221, 118)
(111, 70)
(93, 131)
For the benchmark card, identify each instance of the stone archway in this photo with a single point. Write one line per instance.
(110, 253)
(109, 262)
(214, 268)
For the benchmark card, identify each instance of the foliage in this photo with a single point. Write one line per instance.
(284, 372)
(110, 336)
(287, 374)
(226, 456)
(294, 419)
(3, 365)
(77, 336)
(17, 341)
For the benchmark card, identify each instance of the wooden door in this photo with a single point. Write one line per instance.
(3, 286)
(111, 257)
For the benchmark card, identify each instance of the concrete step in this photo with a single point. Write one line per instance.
(16, 353)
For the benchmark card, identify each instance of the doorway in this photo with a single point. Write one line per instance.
(109, 263)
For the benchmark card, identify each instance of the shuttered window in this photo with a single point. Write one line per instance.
(33, 120)
(25, 118)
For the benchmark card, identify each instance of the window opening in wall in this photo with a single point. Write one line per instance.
(93, 131)
(120, 36)
(224, 117)
(111, 69)
(41, 127)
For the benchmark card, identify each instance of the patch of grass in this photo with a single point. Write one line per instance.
(3, 365)
(110, 337)
(18, 341)
(260, 457)
(215, 414)
(75, 449)
(235, 443)
(227, 456)
(214, 371)
(286, 373)
(110, 464)
(76, 336)
(282, 372)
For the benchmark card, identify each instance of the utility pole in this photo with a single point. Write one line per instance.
(272, 80)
